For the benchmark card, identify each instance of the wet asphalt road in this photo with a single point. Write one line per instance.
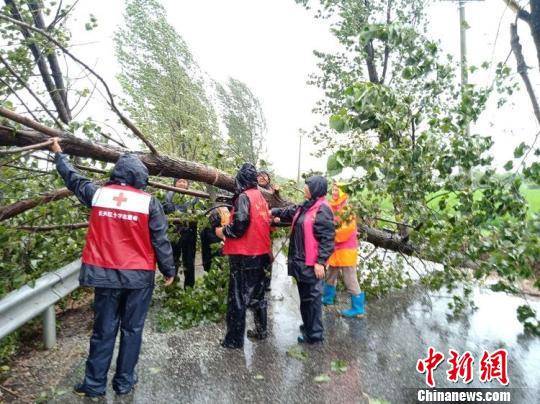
(381, 351)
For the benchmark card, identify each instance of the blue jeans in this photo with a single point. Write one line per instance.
(113, 309)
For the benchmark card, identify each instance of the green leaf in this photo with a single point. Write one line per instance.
(297, 353)
(520, 150)
(337, 123)
(322, 378)
(339, 366)
(509, 165)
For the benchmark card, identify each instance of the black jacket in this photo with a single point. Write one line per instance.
(187, 227)
(131, 171)
(246, 178)
(323, 230)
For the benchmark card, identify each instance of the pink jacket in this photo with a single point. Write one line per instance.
(311, 245)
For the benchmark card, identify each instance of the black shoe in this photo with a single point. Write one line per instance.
(302, 339)
(257, 335)
(123, 392)
(82, 390)
(228, 345)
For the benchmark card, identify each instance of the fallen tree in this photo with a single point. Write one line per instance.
(159, 165)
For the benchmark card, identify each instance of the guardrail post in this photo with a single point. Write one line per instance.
(49, 327)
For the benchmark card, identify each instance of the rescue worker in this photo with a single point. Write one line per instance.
(247, 243)
(345, 257)
(311, 244)
(186, 246)
(264, 181)
(127, 234)
(210, 243)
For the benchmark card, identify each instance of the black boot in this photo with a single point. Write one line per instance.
(82, 390)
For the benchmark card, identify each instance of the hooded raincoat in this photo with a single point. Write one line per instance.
(316, 246)
(248, 246)
(122, 292)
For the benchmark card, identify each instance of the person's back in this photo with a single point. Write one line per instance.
(126, 237)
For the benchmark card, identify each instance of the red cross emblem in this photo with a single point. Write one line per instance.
(120, 199)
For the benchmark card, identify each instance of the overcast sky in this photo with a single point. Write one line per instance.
(268, 44)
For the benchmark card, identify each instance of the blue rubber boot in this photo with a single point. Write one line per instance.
(329, 294)
(357, 306)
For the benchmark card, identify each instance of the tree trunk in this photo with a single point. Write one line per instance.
(162, 166)
(42, 66)
(39, 22)
(535, 26)
(9, 211)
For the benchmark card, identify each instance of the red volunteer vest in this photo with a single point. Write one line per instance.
(118, 234)
(256, 239)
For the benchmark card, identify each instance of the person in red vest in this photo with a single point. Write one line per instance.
(127, 235)
(248, 245)
(311, 245)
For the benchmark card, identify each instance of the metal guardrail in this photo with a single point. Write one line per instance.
(22, 305)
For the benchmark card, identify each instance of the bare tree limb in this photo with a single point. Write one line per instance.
(532, 18)
(111, 101)
(522, 69)
(25, 148)
(154, 184)
(516, 8)
(9, 211)
(51, 56)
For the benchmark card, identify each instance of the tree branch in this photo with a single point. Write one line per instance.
(22, 83)
(38, 57)
(35, 8)
(112, 104)
(169, 167)
(25, 148)
(520, 12)
(386, 46)
(522, 69)
(9, 211)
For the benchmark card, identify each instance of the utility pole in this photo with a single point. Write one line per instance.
(299, 157)
(463, 26)
(463, 44)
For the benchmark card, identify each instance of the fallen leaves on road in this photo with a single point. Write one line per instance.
(324, 378)
(297, 353)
